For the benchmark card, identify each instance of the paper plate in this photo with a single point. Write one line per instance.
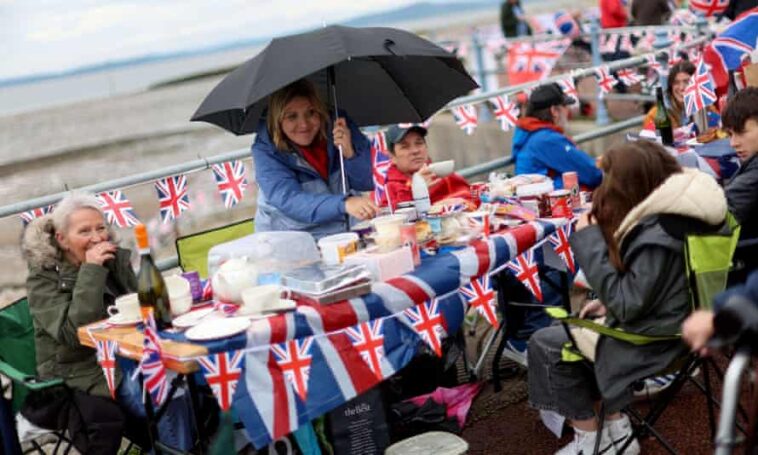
(117, 319)
(215, 329)
(192, 318)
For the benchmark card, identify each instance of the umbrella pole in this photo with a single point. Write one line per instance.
(333, 88)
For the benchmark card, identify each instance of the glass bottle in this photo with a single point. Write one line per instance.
(152, 292)
(662, 120)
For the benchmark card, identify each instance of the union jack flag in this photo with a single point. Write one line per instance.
(380, 163)
(427, 322)
(106, 357)
(294, 359)
(700, 92)
(222, 372)
(151, 365)
(117, 209)
(604, 79)
(368, 339)
(609, 43)
(561, 246)
(725, 52)
(629, 76)
(172, 197)
(569, 88)
(231, 181)
(709, 8)
(207, 290)
(465, 117)
(505, 111)
(566, 24)
(27, 217)
(479, 294)
(653, 64)
(537, 58)
(525, 268)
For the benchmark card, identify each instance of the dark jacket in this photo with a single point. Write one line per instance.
(292, 195)
(742, 197)
(650, 12)
(62, 298)
(542, 148)
(651, 295)
(508, 20)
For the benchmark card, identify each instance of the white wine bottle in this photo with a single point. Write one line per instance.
(151, 288)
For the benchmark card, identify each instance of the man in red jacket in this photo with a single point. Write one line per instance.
(409, 154)
(613, 13)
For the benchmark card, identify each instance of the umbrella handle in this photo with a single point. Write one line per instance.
(342, 170)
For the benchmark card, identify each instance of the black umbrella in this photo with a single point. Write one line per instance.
(383, 75)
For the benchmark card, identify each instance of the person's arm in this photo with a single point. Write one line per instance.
(627, 294)
(561, 155)
(282, 189)
(61, 312)
(741, 195)
(358, 168)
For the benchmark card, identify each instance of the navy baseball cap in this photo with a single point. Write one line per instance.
(396, 133)
(549, 95)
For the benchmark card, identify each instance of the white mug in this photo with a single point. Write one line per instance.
(258, 299)
(126, 307)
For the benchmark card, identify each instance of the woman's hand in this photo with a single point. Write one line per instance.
(593, 308)
(584, 221)
(430, 177)
(697, 330)
(361, 207)
(341, 135)
(100, 252)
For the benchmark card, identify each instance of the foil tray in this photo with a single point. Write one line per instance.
(320, 278)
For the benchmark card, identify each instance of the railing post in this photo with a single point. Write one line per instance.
(478, 48)
(602, 113)
(662, 41)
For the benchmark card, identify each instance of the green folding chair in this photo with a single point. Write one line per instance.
(193, 249)
(708, 262)
(18, 364)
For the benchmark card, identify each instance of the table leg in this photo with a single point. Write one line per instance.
(196, 417)
(152, 423)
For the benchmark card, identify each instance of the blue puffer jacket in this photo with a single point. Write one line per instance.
(540, 149)
(292, 196)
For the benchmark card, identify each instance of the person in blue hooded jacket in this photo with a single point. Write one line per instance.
(540, 145)
(298, 170)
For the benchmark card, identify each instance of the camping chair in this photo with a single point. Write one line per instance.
(708, 259)
(18, 364)
(193, 249)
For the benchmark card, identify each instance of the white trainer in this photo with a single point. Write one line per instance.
(584, 444)
(619, 431)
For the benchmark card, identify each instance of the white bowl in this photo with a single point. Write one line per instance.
(442, 168)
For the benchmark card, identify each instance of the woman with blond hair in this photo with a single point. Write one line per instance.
(630, 247)
(297, 166)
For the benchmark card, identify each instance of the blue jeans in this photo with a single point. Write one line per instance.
(174, 427)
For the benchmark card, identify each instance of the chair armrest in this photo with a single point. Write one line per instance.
(562, 315)
(28, 381)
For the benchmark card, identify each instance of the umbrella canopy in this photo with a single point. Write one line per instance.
(383, 75)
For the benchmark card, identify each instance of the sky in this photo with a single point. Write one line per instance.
(48, 36)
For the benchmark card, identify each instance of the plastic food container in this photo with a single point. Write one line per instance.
(334, 248)
(535, 197)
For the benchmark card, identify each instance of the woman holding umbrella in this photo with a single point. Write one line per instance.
(297, 166)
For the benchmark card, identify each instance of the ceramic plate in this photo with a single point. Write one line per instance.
(120, 320)
(213, 329)
(192, 318)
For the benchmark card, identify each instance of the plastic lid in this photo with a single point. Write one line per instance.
(535, 189)
(140, 233)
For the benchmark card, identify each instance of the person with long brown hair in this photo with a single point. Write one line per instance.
(630, 247)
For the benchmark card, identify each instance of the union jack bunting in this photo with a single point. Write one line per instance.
(525, 268)
(106, 357)
(609, 43)
(629, 76)
(30, 215)
(367, 338)
(465, 117)
(172, 197)
(231, 181)
(294, 359)
(117, 209)
(426, 320)
(709, 8)
(533, 61)
(151, 365)
(561, 245)
(653, 64)
(569, 88)
(700, 92)
(479, 294)
(605, 80)
(424, 124)
(505, 111)
(380, 163)
(222, 372)
(207, 290)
